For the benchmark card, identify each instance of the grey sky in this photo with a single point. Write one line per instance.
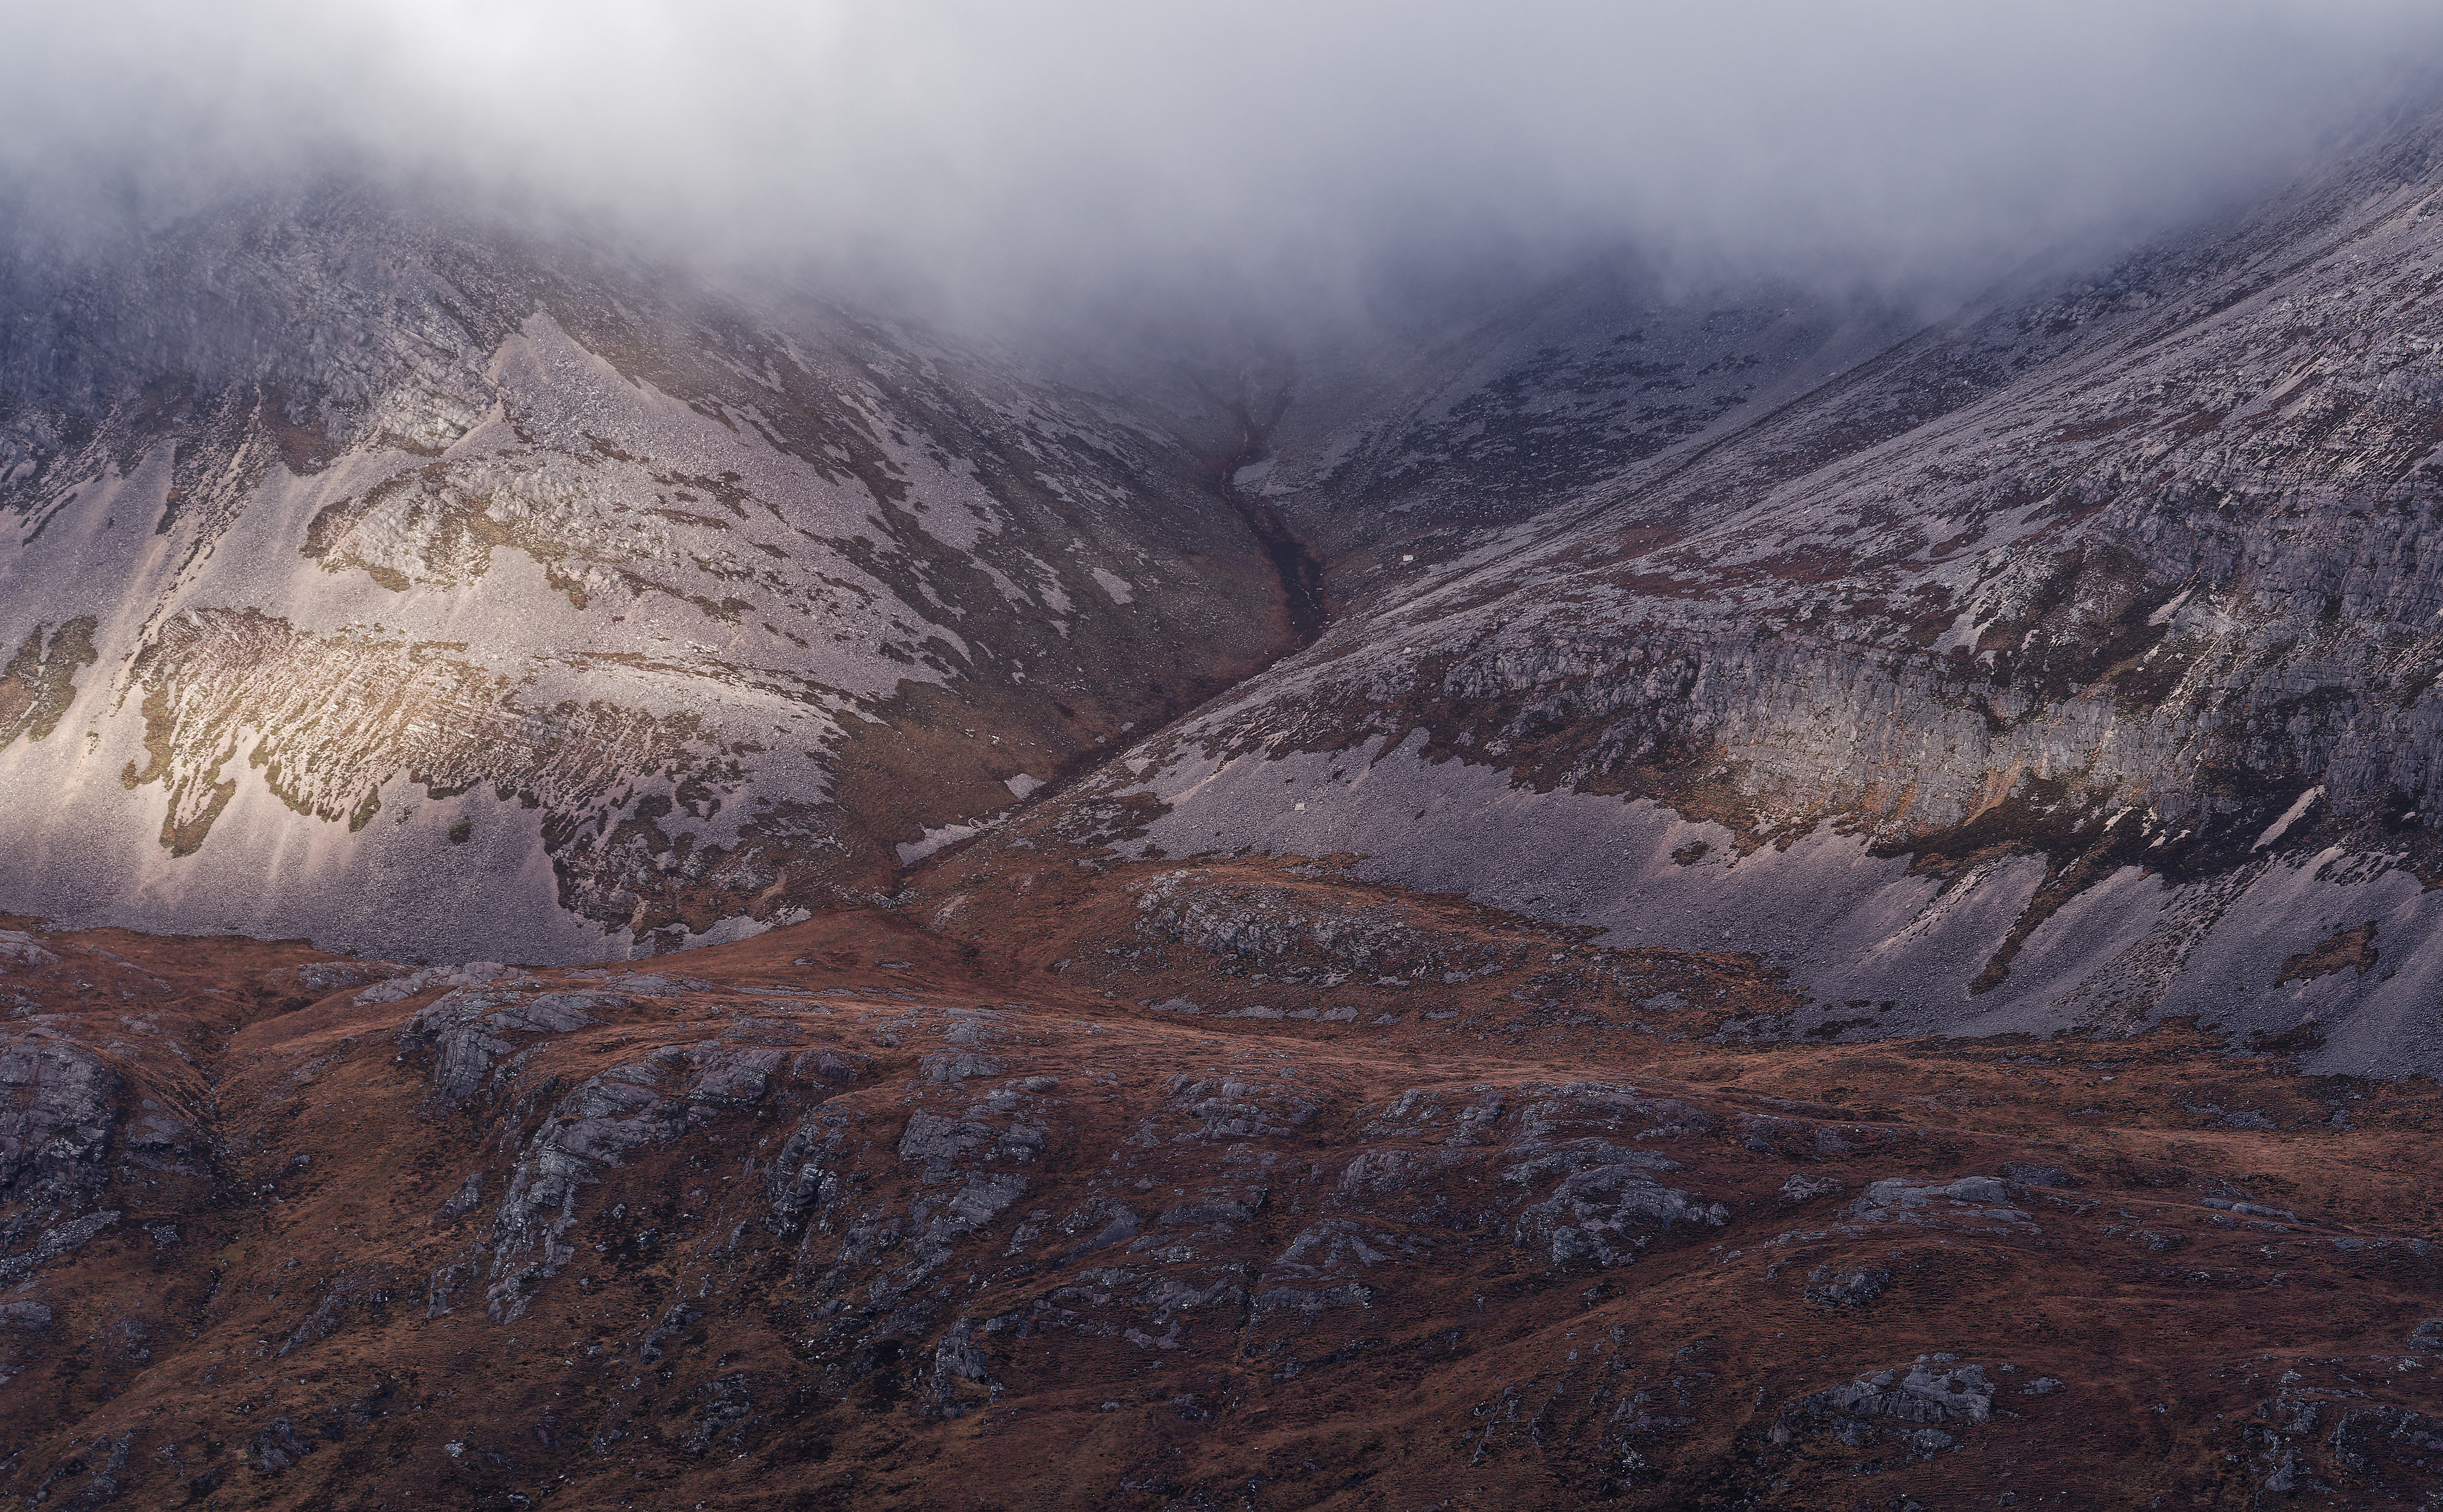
(998, 144)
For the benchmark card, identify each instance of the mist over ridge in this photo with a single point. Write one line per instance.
(979, 161)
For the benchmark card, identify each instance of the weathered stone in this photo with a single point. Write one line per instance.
(1846, 1288)
(21, 949)
(57, 1108)
(958, 1066)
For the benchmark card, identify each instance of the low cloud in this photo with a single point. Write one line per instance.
(1000, 150)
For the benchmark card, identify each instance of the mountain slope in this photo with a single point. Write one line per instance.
(2065, 665)
(388, 578)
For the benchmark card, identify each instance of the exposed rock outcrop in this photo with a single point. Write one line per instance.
(853, 1191)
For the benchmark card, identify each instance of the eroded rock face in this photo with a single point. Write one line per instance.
(61, 1102)
(338, 528)
(2065, 667)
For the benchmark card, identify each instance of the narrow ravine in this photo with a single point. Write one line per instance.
(1256, 412)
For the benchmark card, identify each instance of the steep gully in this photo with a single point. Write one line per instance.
(1253, 409)
(1254, 412)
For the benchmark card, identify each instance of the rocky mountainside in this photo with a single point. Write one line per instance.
(426, 588)
(2064, 665)
(384, 577)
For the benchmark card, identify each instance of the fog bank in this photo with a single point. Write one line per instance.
(1002, 152)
